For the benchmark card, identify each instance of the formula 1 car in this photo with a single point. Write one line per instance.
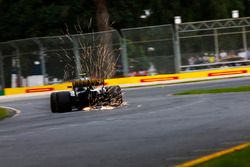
(85, 93)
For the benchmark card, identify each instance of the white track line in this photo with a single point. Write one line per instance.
(17, 112)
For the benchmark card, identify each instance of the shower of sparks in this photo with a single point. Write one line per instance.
(100, 108)
(96, 58)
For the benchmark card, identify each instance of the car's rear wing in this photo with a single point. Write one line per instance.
(87, 83)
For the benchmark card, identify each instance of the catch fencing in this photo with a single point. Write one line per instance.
(149, 50)
(214, 44)
(152, 50)
(48, 60)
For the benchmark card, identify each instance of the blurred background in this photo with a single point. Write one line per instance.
(41, 41)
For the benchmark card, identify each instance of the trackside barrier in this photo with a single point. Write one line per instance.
(208, 74)
(133, 81)
(35, 89)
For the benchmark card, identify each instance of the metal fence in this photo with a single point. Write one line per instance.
(149, 50)
(214, 44)
(46, 60)
(137, 51)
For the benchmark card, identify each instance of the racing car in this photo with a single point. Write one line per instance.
(85, 93)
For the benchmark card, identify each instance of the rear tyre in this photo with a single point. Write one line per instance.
(53, 103)
(60, 102)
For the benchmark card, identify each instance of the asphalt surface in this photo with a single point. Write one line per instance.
(153, 129)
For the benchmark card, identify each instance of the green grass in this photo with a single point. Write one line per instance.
(219, 90)
(237, 159)
(3, 113)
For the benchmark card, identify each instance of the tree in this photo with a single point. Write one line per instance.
(29, 18)
(102, 15)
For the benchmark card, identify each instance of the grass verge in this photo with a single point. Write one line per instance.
(218, 90)
(239, 158)
(3, 113)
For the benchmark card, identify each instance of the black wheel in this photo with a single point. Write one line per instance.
(53, 103)
(115, 95)
(60, 102)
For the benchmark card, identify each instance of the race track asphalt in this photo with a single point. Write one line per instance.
(153, 129)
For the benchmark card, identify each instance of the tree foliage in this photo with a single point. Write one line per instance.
(29, 18)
